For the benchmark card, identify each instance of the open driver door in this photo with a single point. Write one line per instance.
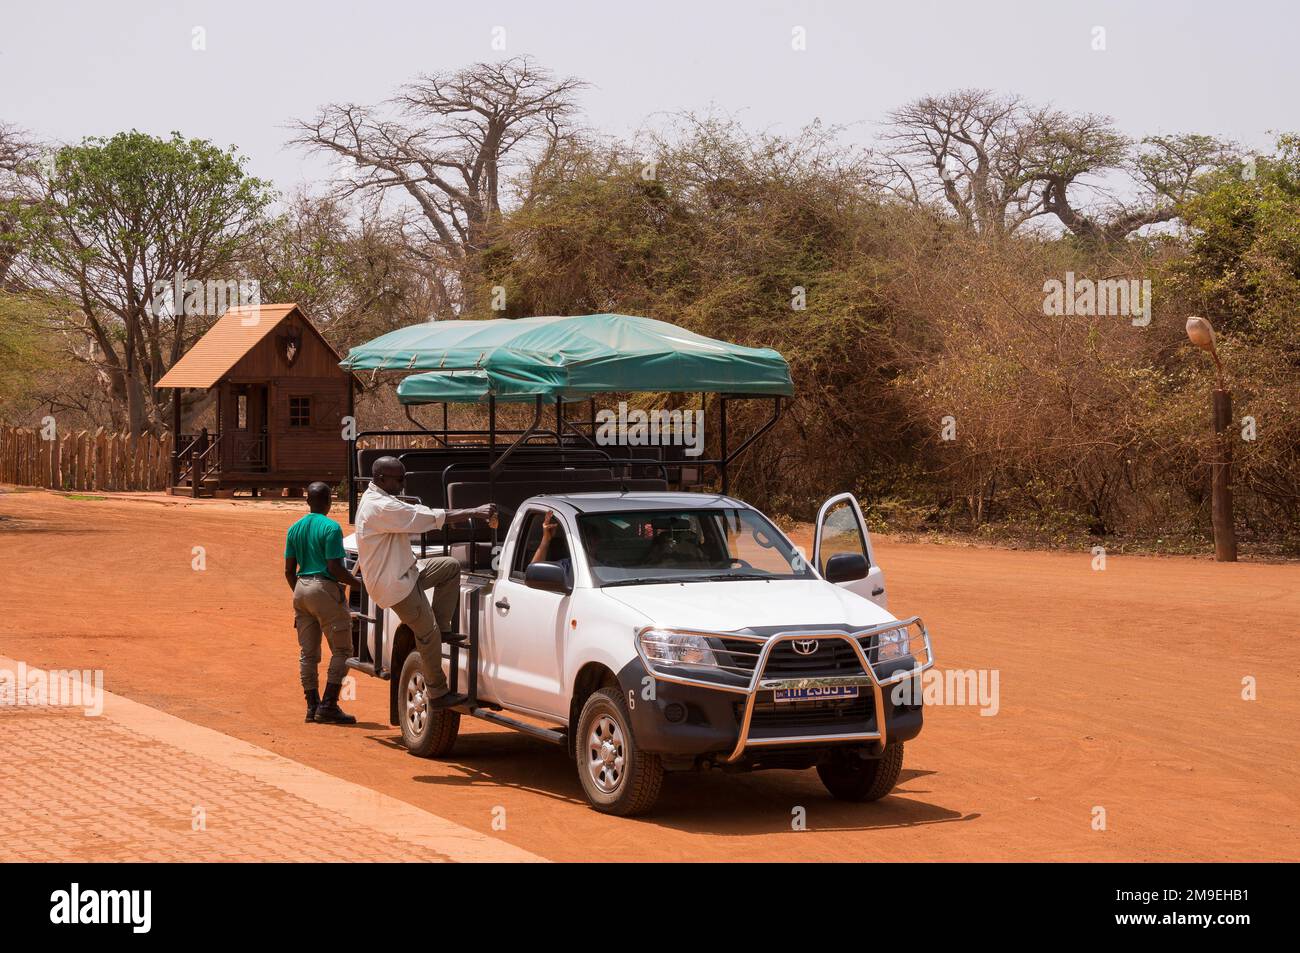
(842, 550)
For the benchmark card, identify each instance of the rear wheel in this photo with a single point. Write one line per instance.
(426, 732)
(850, 778)
(617, 776)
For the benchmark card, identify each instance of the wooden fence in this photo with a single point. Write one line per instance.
(83, 460)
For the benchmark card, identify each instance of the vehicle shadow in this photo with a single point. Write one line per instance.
(504, 759)
(768, 802)
(760, 803)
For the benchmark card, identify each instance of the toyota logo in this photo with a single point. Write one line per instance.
(805, 646)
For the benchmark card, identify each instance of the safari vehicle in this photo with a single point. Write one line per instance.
(654, 630)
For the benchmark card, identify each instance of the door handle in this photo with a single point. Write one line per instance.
(503, 604)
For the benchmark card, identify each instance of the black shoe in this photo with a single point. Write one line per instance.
(448, 700)
(455, 638)
(313, 702)
(328, 711)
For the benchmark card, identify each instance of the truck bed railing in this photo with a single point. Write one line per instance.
(365, 615)
(499, 452)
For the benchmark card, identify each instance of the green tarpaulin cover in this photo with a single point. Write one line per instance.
(462, 387)
(566, 357)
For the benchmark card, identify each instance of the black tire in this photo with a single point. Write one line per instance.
(430, 733)
(853, 779)
(628, 784)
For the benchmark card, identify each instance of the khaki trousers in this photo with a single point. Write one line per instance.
(426, 622)
(320, 608)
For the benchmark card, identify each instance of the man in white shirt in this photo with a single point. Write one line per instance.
(384, 527)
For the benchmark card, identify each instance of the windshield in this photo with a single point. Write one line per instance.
(694, 545)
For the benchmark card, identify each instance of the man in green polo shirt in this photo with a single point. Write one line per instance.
(313, 566)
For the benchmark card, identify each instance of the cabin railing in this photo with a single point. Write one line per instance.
(248, 451)
(195, 457)
(198, 456)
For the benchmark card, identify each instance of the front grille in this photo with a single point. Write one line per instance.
(773, 719)
(834, 656)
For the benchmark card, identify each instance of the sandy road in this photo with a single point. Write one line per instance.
(1119, 690)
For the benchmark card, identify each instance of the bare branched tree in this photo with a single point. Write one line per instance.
(446, 140)
(999, 163)
(1164, 170)
(971, 149)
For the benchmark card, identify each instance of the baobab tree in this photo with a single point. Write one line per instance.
(1162, 172)
(447, 141)
(999, 163)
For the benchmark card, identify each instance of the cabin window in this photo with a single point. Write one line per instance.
(531, 538)
(241, 412)
(299, 411)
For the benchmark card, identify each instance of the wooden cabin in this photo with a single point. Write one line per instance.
(280, 402)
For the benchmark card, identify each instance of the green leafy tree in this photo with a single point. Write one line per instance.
(1243, 259)
(115, 220)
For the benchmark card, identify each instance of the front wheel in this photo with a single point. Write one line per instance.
(426, 732)
(853, 779)
(616, 775)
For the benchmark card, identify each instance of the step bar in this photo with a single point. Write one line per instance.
(553, 735)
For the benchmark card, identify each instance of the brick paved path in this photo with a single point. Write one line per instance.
(135, 784)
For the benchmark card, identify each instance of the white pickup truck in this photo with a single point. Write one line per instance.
(668, 631)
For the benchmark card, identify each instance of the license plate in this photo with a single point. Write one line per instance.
(814, 694)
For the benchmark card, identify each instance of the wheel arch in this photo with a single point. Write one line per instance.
(403, 645)
(592, 677)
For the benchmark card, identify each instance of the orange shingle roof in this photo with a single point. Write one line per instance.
(233, 335)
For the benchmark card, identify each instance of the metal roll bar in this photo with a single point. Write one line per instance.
(563, 426)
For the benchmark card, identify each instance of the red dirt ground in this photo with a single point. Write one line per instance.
(1120, 690)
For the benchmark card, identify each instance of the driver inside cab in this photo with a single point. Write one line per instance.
(677, 544)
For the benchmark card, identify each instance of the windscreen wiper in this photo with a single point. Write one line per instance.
(657, 580)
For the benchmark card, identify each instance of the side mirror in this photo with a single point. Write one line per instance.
(549, 577)
(845, 567)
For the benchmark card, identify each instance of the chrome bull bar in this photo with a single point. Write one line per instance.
(757, 683)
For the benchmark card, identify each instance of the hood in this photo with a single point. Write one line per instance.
(730, 606)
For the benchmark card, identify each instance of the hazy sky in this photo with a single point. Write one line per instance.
(69, 69)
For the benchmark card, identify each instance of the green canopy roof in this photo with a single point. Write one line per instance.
(567, 357)
(461, 387)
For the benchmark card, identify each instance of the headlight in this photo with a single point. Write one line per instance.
(676, 648)
(893, 644)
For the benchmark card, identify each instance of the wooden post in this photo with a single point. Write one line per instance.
(176, 434)
(99, 472)
(81, 482)
(1225, 534)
